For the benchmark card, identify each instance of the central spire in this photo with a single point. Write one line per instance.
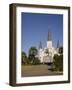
(49, 36)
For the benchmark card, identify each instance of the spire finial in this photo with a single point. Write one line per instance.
(49, 36)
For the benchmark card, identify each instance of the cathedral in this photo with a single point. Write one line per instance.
(46, 54)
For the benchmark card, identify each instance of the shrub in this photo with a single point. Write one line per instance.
(58, 62)
(36, 61)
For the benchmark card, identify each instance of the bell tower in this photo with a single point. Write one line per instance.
(49, 40)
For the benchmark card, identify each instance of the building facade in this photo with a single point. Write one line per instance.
(46, 54)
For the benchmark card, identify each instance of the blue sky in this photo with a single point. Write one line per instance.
(35, 28)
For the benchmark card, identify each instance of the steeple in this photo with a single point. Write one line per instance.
(58, 44)
(40, 45)
(49, 36)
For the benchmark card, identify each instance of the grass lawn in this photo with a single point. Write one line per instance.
(37, 70)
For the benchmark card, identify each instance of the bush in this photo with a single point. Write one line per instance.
(36, 61)
(25, 60)
(32, 53)
(58, 62)
(61, 63)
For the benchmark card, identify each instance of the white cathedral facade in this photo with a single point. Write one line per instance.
(46, 54)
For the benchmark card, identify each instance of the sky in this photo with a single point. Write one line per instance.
(35, 28)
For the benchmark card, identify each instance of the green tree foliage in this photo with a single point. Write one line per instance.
(61, 50)
(24, 58)
(58, 62)
(33, 51)
(61, 63)
(32, 56)
(36, 61)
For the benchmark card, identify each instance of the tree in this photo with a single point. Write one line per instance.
(58, 62)
(61, 63)
(61, 50)
(33, 51)
(32, 55)
(36, 61)
(24, 58)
